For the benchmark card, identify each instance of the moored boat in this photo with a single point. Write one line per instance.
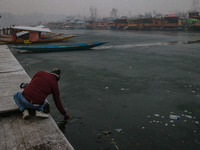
(24, 34)
(59, 48)
(50, 35)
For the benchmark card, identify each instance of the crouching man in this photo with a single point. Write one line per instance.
(35, 93)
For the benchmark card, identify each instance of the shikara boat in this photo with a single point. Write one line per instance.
(27, 35)
(55, 39)
(50, 35)
(42, 40)
(59, 48)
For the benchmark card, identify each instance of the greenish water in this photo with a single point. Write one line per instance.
(121, 94)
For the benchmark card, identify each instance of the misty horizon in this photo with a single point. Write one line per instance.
(32, 12)
(104, 7)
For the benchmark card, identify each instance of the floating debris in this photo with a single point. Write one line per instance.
(188, 112)
(175, 117)
(119, 130)
(116, 147)
(106, 133)
(157, 119)
(113, 142)
(188, 116)
(156, 115)
(99, 99)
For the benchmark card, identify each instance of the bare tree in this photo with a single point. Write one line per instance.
(148, 15)
(195, 4)
(93, 13)
(114, 13)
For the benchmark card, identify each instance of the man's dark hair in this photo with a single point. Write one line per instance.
(56, 72)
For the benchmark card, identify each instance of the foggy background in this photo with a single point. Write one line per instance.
(41, 11)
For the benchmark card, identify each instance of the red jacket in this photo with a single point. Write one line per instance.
(41, 85)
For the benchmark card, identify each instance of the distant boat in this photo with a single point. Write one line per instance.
(27, 35)
(59, 48)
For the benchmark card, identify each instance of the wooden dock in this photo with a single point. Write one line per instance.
(15, 133)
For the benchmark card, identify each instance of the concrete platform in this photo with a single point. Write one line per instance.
(11, 76)
(18, 134)
(32, 134)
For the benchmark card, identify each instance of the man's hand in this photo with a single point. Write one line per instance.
(67, 116)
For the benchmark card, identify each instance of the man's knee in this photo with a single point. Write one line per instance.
(17, 96)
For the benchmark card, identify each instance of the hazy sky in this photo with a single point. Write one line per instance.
(73, 7)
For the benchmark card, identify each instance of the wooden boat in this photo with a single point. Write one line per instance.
(2, 43)
(59, 48)
(27, 35)
(50, 35)
(6, 36)
(42, 40)
(55, 39)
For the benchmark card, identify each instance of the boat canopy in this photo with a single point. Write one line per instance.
(25, 28)
(26, 32)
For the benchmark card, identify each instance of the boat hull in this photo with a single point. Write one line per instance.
(43, 40)
(59, 48)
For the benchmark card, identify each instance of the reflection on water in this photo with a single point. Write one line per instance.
(73, 120)
(62, 125)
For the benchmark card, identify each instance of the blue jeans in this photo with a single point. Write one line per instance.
(23, 104)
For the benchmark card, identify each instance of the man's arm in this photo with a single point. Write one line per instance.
(58, 103)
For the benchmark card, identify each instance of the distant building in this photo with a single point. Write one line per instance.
(121, 23)
(159, 22)
(170, 23)
(193, 14)
(182, 23)
(133, 24)
(101, 24)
